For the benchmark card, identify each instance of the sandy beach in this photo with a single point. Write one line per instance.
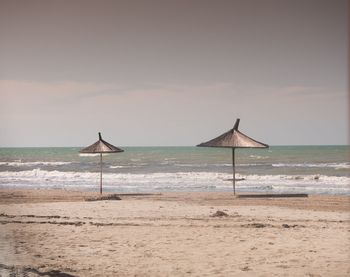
(58, 233)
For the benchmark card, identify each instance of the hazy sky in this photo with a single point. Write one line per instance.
(173, 72)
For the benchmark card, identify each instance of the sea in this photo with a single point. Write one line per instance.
(278, 169)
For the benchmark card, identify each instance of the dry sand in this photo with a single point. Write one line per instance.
(57, 233)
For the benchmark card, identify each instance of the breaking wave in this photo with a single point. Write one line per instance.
(178, 181)
(19, 163)
(320, 165)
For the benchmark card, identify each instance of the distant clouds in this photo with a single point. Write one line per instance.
(167, 114)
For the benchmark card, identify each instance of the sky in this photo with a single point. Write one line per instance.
(173, 73)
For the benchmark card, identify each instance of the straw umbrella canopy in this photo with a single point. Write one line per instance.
(101, 147)
(233, 139)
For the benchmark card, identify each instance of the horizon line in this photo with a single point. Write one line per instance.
(160, 146)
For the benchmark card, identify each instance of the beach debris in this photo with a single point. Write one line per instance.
(104, 197)
(6, 215)
(219, 213)
(291, 226)
(246, 268)
(75, 223)
(256, 225)
(272, 195)
(23, 271)
(98, 224)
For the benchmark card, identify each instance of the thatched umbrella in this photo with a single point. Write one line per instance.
(101, 147)
(233, 139)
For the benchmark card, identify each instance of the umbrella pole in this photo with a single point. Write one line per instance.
(101, 173)
(233, 172)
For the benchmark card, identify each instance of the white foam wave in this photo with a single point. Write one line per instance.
(92, 154)
(135, 160)
(258, 157)
(190, 165)
(177, 181)
(125, 166)
(320, 165)
(20, 163)
(218, 165)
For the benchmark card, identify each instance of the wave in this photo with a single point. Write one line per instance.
(126, 166)
(190, 165)
(92, 154)
(19, 163)
(258, 157)
(200, 181)
(320, 165)
(218, 165)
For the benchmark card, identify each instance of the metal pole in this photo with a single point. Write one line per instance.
(101, 173)
(233, 171)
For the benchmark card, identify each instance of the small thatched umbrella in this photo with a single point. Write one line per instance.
(233, 139)
(101, 147)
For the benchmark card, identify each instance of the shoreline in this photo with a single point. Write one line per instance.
(172, 234)
(323, 202)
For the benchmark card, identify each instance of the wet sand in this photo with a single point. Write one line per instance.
(58, 233)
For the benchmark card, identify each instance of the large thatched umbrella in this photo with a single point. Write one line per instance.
(233, 139)
(101, 147)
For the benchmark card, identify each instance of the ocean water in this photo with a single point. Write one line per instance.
(279, 169)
